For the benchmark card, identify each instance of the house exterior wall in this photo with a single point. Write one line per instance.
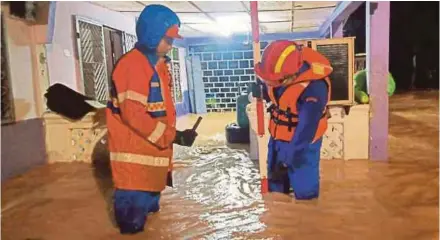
(22, 145)
(62, 50)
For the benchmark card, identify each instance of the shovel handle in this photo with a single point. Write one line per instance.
(196, 125)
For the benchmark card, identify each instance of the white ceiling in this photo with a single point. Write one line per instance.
(203, 18)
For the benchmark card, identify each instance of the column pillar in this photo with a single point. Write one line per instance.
(377, 41)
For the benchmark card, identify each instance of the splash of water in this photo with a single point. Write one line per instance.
(226, 182)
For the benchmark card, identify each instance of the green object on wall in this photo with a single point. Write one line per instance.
(360, 87)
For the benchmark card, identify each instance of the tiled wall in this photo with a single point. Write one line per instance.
(227, 71)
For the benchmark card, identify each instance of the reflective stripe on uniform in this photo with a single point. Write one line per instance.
(140, 159)
(156, 107)
(283, 57)
(135, 96)
(158, 131)
(132, 95)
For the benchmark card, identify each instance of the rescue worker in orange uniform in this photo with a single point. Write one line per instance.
(296, 82)
(141, 120)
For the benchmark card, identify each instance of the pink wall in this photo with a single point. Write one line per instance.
(61, 53)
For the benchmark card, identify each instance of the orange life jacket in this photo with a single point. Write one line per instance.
(283, 111)
(141, 121)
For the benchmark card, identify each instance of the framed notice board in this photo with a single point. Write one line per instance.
(340, 52)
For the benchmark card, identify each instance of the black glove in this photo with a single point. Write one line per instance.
(67, 102)
(185, 138)
(256, 90)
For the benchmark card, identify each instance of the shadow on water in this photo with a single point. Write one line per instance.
(103, 174)
(101, 167)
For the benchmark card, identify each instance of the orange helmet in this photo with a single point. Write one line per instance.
(280, 59)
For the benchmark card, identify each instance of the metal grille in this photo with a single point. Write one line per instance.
(93, 62)
(176, 82)
(7, 104)
(171, 85)
(129, 42)
(174, 68)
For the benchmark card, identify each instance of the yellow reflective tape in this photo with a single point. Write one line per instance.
(140, 159)
(132, 95)
(283, 57)
(319, 68)
(158, 131)
(156, 107)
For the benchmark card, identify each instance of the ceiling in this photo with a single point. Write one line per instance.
(204, 18)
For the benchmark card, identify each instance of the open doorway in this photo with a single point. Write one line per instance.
(413, 50)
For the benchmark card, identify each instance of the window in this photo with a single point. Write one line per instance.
(129, 41)
(176, 83)
(92, 59)
(99, 48)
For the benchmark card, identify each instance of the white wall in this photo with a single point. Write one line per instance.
(20, 63)
(61, 53)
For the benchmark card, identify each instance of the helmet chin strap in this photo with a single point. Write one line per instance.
(288, 80)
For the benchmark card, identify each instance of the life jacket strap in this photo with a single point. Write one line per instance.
(289, 115)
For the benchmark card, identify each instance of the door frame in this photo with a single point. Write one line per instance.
(122, 39)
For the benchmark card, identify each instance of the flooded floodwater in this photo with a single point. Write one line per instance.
(217, 192)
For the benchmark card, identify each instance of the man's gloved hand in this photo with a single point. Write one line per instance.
(185, 138)
(256, 90)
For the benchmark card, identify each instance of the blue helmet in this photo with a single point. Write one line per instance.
(153, 23)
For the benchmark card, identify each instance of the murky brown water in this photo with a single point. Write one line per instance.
(217, 192)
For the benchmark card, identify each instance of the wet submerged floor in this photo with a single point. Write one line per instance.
(217, 192)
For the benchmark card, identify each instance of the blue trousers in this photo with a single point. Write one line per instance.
(303, 179)
(132, 207)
